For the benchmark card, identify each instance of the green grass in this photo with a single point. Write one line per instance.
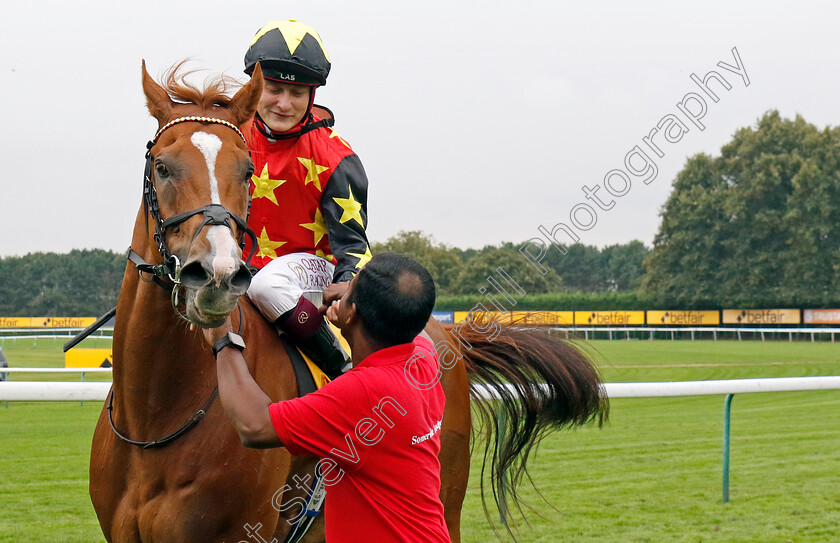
(47, 353)
(44, 451)
(652, 474)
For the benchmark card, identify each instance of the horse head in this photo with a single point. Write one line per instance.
(197, 175)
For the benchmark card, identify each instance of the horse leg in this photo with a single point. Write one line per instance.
(294, 494)
(455, 430)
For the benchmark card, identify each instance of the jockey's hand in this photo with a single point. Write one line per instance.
(212, 335)
(334, 292)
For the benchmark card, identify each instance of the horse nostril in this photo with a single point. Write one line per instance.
(194, 275)
(241, 280)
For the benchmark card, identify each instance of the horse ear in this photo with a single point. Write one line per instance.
(244, 104)
(157, 99)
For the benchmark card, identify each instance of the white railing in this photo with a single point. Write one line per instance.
(72, 391)
(51, 333)
(56, 370)
(699, 388)
(727, 386)
(52, 391)
(624, 331)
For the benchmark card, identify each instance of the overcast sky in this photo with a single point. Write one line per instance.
(477, 122)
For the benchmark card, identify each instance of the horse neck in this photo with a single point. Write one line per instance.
(159, 363)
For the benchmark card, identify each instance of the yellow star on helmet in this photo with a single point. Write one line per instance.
(322, 254)
(352, 209)
(264, 186)
(312, 172)
(318, 227)
(334, 134)
(267, 248)
(363, 258)
(293, 32)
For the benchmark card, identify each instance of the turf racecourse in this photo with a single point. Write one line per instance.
(652, 474)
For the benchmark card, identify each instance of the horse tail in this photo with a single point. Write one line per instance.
(533, 383)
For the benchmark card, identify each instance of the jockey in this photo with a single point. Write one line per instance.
(309, 192)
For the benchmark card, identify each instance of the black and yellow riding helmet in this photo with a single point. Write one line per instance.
(289, 52)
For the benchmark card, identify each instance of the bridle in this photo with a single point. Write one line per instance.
(214, 215)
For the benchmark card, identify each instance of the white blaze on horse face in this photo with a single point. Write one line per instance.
(209, 145)
(224, 254)
(222, 244)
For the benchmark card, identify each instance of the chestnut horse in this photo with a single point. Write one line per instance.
(166, 465)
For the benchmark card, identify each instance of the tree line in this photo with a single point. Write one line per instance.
(462, 272)
(81, 283)
(87, 282)
(756, 227)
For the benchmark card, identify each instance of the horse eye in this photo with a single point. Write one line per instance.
(249, 174)
(161, 169)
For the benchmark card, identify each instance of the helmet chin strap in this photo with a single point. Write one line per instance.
(311, 101)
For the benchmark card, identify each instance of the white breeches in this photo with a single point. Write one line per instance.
(278, 286)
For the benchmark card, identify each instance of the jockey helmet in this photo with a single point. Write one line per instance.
(289, 52)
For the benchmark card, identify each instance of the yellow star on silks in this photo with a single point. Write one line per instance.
(352, 209)
(318, 227)
(334, 134)
(322, 254)
(363, 258)
(267, 248)
(264, 186)
(312, 172)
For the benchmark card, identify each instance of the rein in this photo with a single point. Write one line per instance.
(189, 425)
(168, 439)
(214, 215)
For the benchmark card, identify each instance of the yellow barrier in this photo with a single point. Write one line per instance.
(523, 318)
(543, 318)
(609, 318)
(15, 322)
(88, 358)
(683, 318)
(561, 318)
(46, 322)
(761, 316)
(62, 322)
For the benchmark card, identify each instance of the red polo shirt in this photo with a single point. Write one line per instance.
(378, 426)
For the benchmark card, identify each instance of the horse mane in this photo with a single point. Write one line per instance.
(216, 92)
